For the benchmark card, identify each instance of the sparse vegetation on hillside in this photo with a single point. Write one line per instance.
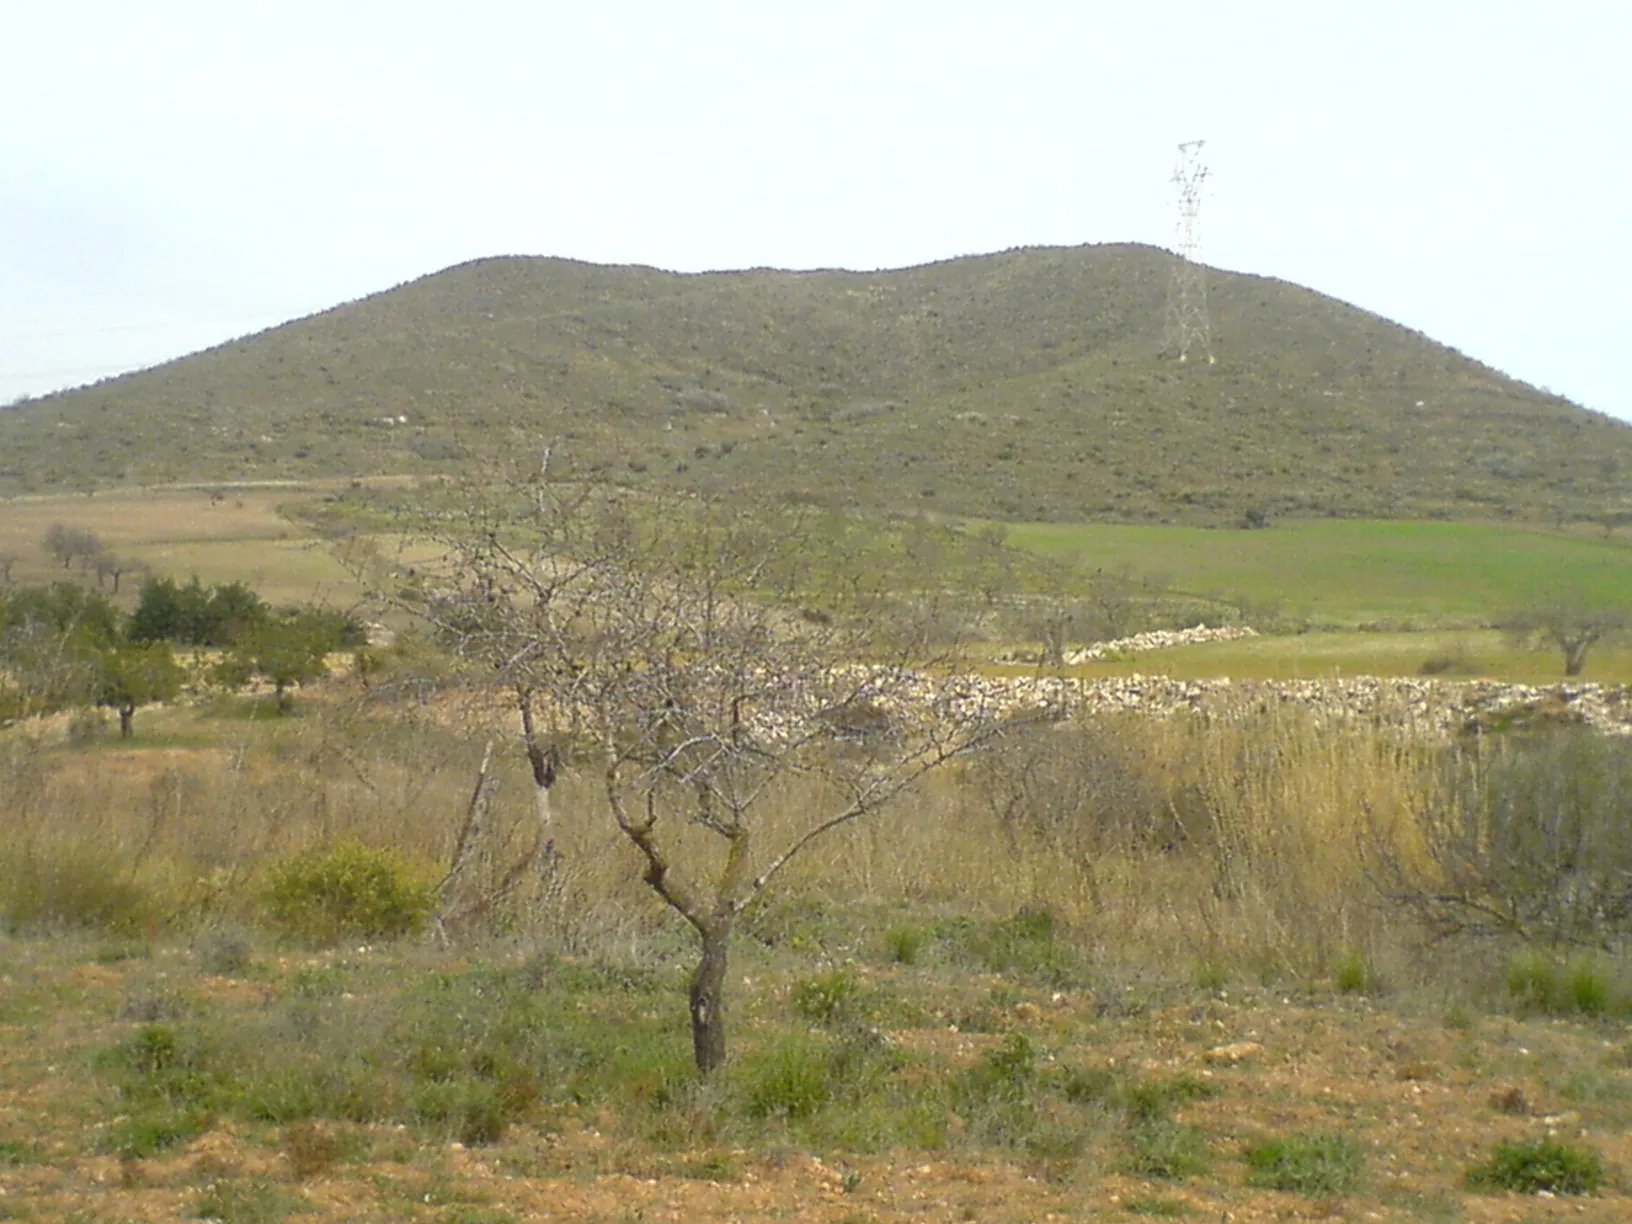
(1022, 386)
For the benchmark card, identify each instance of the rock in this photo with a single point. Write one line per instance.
(1235, 1052)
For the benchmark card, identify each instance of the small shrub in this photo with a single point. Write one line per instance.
(14, 1152)
(249, 1202)
(1320, 1166)
(1007, 1073)
(787, 1081)
(905, 944)
(1353, 975)
(1167, 1151)
(145, 1135)
(827, 998)
(1211, 976)
(1587, 986)
(1537, 982)
(1088, 1086)
(1536, 1165)
(345, 889)
(1155, 1100)
(1025, 944)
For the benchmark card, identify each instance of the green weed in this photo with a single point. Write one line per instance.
(1535, 1165)
(1166, 1150)
(827, 998)
(788, 1080)
(255, 1201)
(1320, 1166)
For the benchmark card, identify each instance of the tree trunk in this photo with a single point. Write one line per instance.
(126, 713)
(1575, 657)
(708, 999)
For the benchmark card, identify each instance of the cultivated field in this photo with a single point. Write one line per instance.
(1354, 573)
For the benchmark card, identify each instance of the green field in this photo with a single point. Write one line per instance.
(1387, 596)
(1356, 573)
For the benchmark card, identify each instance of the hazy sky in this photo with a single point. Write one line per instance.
(173, 174)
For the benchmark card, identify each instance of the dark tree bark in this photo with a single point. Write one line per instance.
(708, 999)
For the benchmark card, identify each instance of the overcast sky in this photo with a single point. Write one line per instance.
(173, 174)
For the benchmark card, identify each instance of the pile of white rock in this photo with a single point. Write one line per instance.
(1159, 639)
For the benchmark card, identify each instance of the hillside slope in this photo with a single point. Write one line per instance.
(1024, 385)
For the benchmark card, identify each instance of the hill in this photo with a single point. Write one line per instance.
(1027, 385)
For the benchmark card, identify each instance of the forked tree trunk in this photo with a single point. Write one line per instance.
(708, 998)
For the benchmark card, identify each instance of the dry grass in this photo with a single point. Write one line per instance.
(1234, 842)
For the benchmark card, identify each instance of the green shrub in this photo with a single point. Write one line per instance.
(15, 1152)
(257, 1201)
(1320, 1166)
(1025, 944)
(826, 998)
(1007, 1073)
(1353, 975)
(1536, 1165)
(904, 944)
(147, 1134)
(1155, 1100)
(1537, 982)
(789, 1080)
(345, 890)
(1165, 1150)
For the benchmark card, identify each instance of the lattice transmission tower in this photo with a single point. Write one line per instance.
(1189, 329)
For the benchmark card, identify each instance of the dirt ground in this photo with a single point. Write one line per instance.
(1426, 1093)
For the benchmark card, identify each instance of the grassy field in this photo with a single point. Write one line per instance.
(222, 535)
(1351, 573)
(1391, 595)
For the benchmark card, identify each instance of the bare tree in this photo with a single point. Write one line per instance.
(105, 565)
(69, 544)
(1568, 626)
(672, 650)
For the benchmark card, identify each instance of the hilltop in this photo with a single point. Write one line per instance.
(1026, 385)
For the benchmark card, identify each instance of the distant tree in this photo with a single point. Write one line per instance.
(131, 674)
(286, 652)
(1568, 626)
(50, 638)
(190, 615)
(106, 565)
(69, 544)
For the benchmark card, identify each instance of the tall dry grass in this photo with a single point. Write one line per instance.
(1251, 838)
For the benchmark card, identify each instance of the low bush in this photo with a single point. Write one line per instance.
(345, 889)
(1320, 1166)
(1168, 1151)
(788, 1080)
(1540, 982)
(1533, 1166)
(827, 998)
